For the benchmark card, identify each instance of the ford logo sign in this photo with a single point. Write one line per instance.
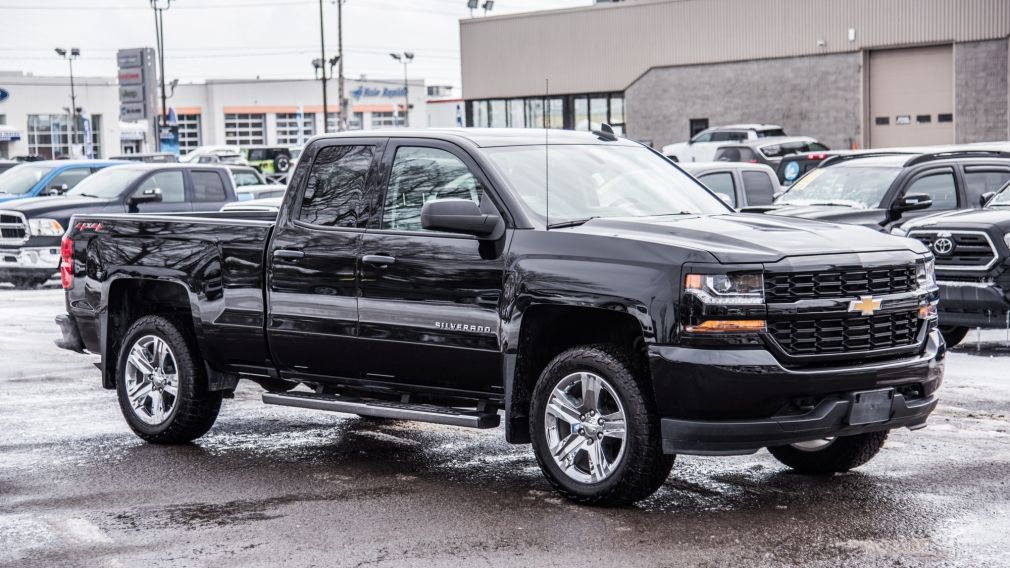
(4, 95)
(792, 171)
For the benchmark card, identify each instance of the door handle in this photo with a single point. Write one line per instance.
(289, 254)
(378, 259)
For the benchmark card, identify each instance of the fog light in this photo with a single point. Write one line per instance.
(928, 311)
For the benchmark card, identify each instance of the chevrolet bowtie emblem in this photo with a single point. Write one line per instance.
(865, 305)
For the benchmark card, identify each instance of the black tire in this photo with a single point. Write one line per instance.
(953, 334)
(643, 467)
(843, 454)
(30, 281)
(195, 409)
(282, 163)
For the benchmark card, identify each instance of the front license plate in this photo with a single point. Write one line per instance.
(871, 407)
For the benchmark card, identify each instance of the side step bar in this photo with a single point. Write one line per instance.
(385, 409)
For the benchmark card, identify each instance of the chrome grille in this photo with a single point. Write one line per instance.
(794, 286)
(969, 250)
(13, 228)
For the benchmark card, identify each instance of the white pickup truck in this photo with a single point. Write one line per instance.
(702, 147)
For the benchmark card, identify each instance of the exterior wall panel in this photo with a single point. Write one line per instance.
(981, 91)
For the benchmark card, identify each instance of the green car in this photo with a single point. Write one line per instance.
(269, 159)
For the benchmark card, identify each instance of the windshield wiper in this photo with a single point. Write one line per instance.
(572, 223)
(88, 195)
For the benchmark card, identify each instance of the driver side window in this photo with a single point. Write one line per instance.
(703, 137)
(171, 184)
(420, 175)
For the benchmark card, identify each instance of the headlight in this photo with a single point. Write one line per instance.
(739, 288)
(1006, 239)
(45, 227)
(925, 273)
(898, 232)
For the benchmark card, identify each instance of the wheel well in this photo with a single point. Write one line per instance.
(546, 332)
(132, 299)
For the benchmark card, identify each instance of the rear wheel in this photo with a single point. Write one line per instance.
(594, 429)
(953, 334)
(162, 385)
(830, 455)
(282, 163)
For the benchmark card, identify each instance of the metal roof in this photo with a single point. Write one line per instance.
(488, 137)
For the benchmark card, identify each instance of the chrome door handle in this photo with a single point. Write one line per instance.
(378, 259)
(289, 254)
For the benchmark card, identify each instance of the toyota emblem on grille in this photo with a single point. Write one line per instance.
(865, 304)
(943, 245)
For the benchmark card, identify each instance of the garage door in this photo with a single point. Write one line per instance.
(912, 97)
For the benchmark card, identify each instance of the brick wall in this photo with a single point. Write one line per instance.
(981, 91)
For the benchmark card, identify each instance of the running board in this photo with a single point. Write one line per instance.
(385, 409)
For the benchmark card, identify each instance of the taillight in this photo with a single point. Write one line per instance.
(67, 262)
(816, 156)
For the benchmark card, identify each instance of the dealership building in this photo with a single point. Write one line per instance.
(35, 115)
(852, 73)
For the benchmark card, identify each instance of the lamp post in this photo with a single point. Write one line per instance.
(343, 120)
(405, 58)
(159, 7)
(70, 56)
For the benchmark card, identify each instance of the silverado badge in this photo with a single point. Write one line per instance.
(865, 304)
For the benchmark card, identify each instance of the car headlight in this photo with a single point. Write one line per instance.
(925, 273)
(898, 232)
(45, 227)
(724, 303)
(1006, 239)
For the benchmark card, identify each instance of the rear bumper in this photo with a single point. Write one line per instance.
(973, 304)
(721, 402)
(71, 337)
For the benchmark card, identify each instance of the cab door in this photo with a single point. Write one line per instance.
(172, 183)
(312, 301)
(428, 300)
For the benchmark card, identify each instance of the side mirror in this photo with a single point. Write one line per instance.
(986, 197)
(150, 195)
(58, 189)
(725, 199)
(460, 216)
(912, 202)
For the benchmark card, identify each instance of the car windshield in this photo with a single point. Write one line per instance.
(1002, 198)
(20, 179)
(861, 187)
(107, 183)
(589, 181)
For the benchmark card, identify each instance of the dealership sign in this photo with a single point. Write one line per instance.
(385, 92)
(4, 95)
(137, 84)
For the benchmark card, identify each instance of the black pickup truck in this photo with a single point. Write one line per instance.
(611, 308)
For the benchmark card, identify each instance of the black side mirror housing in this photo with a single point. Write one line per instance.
(912, 202)
(985, 198)
(454, 215)
(151, 195)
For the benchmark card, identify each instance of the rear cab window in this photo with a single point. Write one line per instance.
(758, 187)
(208, 186)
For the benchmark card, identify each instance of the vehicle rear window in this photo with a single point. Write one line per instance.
(245, 178)
(790, 148)
(734, 155)
(729, 136)
(721, 183)
(208, 186)
(758, 187)
(335, 193)
(770, 133)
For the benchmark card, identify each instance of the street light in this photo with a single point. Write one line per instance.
(405, 58)
(159, 7)
(70, 56)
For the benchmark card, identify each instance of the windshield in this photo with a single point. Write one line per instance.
(20, 179)
(1002, 198)
(588, 181)
(107, 183)
(862, 187)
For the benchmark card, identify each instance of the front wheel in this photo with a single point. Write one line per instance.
(831, 455)
(953, 334)
(595, 432)
(161, 383)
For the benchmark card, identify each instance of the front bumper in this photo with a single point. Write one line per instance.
(973, 304)
(724, 402)
(26, 260)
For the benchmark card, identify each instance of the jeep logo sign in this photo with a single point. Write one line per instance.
(4, 95)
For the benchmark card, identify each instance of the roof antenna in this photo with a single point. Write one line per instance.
(547, 161)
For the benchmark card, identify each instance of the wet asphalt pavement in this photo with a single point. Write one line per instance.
(271, 485)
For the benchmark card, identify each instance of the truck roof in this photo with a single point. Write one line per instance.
(489, 137)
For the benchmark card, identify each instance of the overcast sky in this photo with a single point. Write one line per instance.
(244, 38)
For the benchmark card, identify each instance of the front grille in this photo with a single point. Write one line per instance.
(962, 250)
(13, 229)
(782, 288)
(844, 334)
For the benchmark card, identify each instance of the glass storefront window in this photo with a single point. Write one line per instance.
(555, 113)
(581, 113)
(535, 113)
(597, 112)
(617, 109)
(49, 136)
(189, 132)
(357, 118)
(244, 129)
(517, 114)
(287, 128)
(497, 118)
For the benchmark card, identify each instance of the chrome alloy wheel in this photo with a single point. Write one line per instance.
(152, 379)
(813, 445)
(585, 427)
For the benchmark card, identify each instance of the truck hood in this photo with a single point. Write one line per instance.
(998, 217)
(58, 207)
(747, 238)
(833, 213)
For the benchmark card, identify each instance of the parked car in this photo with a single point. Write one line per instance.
(884, 190)
(972, 250)
(215, 155)
(30, 243)
(252, 192)
(702, 147)
(419, 275)
(269, 159)
(49, 177)
(272, 204)
(769, 151)
(150, 157)
(793, 166)
(246, 175)
(740, 184)
(7, 164)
